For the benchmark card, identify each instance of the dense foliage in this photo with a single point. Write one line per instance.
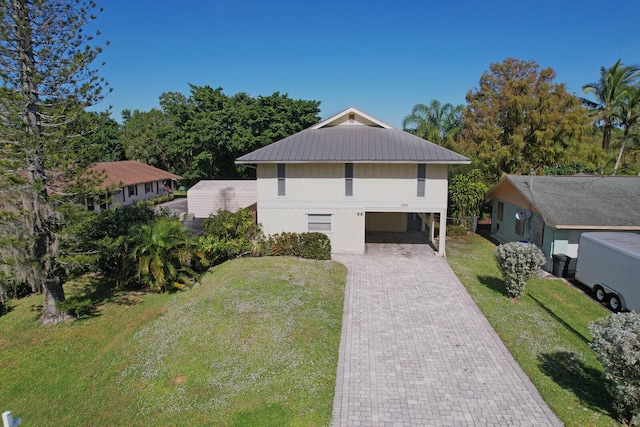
(518, 262)
(47, 79)
(616, 339)
(519, 119)
(228, 235)
(199, 137)
(164, 256)
(466, 194)
(304, 245)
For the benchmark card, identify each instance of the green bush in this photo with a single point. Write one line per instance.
(163, 256)
(456, 230)
(518, 262)
(229, 235)
(466, 194)
(304, 245)
(616, 339)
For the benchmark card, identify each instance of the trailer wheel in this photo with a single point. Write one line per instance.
(614, 303)
(599, 293)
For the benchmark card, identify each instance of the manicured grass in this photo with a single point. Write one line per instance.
(545, 331)
(255, 344)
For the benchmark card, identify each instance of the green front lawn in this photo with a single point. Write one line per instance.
(255, 344)
(545, 331)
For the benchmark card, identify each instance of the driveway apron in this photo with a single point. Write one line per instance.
(416, 350)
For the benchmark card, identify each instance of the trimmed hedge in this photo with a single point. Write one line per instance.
(303, 245)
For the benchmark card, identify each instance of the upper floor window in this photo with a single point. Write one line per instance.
(281, 179)
(500, 211)
(348, 179)
(422, 178)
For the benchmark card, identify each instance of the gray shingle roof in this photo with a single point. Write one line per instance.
(582, 201)
(352, 144)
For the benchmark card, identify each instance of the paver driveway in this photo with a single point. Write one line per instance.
(416, 350)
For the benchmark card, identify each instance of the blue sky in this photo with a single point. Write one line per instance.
(380, 56)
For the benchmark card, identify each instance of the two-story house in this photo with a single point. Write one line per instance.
(350, 174)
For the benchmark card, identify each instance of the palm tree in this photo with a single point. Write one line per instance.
(165, 254)
(630, 117)
(609, 92)
(436, 122)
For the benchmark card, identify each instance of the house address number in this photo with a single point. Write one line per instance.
(404, 205)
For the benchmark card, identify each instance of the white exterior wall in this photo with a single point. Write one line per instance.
(320, 188)
(120, 197)
(206, 197)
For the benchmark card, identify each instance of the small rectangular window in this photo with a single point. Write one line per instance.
(348, 179)
(422, 177)
(91, 204)
(319, 222)
(281, 179)
(520, 227)
(103, 202)
(148, 187)
(500, 211)
(132, 190)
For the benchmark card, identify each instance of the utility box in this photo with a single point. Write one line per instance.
(609, 265)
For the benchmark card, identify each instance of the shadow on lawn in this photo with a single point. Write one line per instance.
(587, 383)
(493, 283)
(567, 326)
(84, 299)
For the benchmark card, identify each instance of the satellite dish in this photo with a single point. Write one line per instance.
(523, 215)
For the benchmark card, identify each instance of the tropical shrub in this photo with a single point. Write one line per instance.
(518, 262)
(229, 235)
(109, 233)
(164, 256)
(616, 339)
(466, 194)
(456, 230)
(304, 245)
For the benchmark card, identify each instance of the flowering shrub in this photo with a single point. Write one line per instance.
(518, 262)
(616, 339)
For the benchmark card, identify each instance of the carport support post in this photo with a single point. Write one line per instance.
(432, 221)
(443, 233)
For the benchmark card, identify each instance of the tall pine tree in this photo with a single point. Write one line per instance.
(47, 80)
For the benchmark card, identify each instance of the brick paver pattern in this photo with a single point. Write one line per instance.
(416, 350)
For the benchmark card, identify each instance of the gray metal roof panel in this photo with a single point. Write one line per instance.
(352, 144)
(586, 201)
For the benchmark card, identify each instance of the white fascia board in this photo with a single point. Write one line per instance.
(348, 111)
(409, 162)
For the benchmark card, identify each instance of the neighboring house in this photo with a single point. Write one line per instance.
(207, 196)
(128, 181)
(348, 175)
(552, 211)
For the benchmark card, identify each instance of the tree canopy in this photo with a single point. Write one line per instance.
(519, 119)
(200, 137)
(436, 122)
(47, 80)
(611, 92)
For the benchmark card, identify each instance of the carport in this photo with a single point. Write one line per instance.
(403, 227)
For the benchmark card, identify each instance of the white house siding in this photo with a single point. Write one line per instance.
(121, 197)
(206, 197)
(320, 188)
